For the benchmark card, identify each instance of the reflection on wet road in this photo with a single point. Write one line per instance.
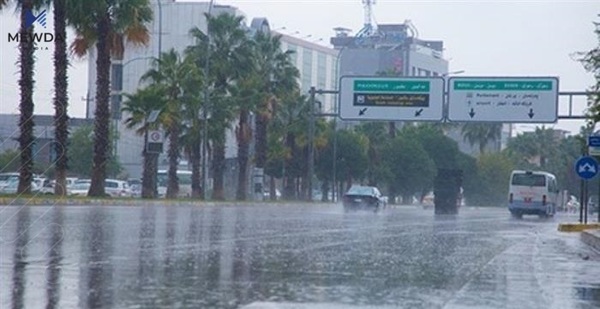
(289, 256)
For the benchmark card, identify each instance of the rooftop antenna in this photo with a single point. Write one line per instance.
(368, 4)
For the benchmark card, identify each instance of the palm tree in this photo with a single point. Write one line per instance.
(61, 98)
(481, 134)
(26, 85)
(247, 96)
(191, 137)
(230, 59)
(279, 76)
(108, 25)
(292, 119)
(171, 74)
(139, 107)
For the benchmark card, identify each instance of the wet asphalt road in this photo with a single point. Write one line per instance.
(289, 256)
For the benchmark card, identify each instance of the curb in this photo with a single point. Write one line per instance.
(33, 201)
(591, 238)
(577, 227)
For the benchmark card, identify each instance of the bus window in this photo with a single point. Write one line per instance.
(530, 180)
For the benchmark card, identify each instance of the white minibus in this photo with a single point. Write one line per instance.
(532, 193)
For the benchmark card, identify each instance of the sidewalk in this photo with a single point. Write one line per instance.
(591, 238)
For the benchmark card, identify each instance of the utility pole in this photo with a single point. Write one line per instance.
(311, 142)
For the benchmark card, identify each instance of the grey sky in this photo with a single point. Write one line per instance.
(493, 38)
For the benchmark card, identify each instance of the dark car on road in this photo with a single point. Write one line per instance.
(363, 197)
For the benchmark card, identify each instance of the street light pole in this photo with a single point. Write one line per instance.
(206, 104)
(311, 141)
(335, 111)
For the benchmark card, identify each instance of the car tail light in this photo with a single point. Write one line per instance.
(510, 198)
(544, 200)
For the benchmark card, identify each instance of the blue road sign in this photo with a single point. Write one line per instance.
(586, 167)
(594, 141)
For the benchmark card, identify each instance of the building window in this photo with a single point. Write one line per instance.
(294, 55)
(321, 71)
(307, 62)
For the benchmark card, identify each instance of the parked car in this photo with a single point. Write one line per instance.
(135, 185)
(363, 197)
(117, 188)
(79, 189)
(267, 194)
(11, 187)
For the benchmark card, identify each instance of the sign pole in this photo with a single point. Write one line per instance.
(582, 199)
(587, 168)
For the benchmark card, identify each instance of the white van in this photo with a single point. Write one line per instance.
(532, 193)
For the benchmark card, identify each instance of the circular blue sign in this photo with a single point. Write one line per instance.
(586, 167)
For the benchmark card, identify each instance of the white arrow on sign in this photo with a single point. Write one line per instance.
(587, 168)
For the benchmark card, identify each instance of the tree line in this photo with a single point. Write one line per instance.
(233, 76)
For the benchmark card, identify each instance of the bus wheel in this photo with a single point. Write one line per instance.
(516, 214)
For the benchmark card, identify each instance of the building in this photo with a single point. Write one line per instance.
(317, 65)
(393, 48)
(44, 152)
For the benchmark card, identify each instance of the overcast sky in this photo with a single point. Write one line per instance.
(483, 38)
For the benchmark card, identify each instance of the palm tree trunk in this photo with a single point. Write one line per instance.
(102, 117)
(219, 168)
(392, 129)
(149, 172)
(173, 154)
(61, 99)
(196, 174)
(261, 140)
(243, 137)
(26, 139)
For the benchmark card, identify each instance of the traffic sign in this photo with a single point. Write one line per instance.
(155, 141)
(594, 145)
(586, 167)
(503, 99)
(594, 141)
(391, 98)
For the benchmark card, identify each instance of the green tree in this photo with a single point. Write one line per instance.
(139, 107)
(441, 149)
(278, 77)
(481, 134)
(229, 60)
(9, 161)
(591, 62)
(412, 170)
(81, 144)
(351, 157)
(170, 74)
(375, 132)
(493, 175)
(108, 25)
